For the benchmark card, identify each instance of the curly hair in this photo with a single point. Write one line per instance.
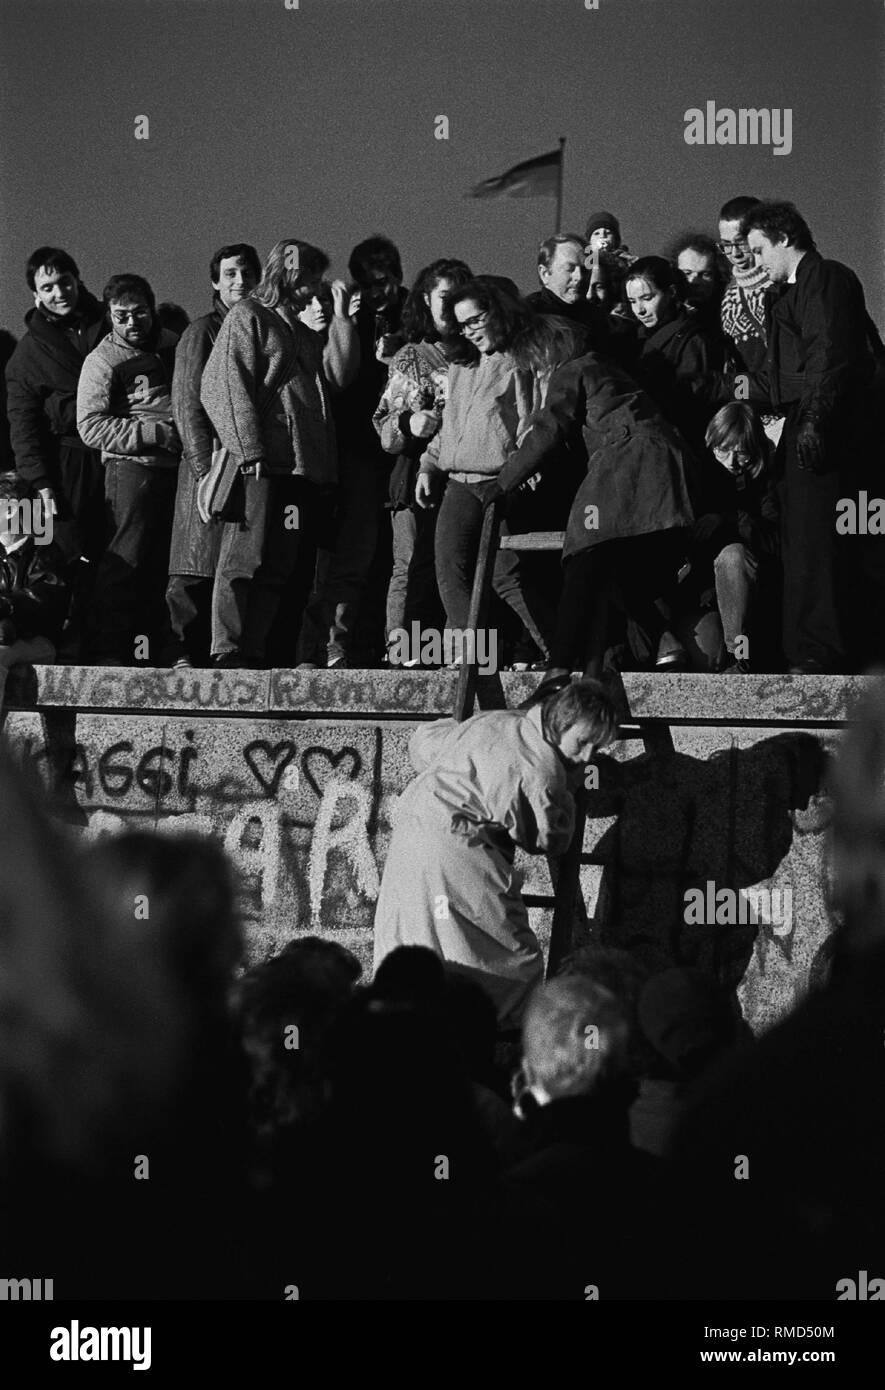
(536, 342)
(417, 320)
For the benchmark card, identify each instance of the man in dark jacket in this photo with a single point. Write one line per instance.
(351, 580)
(591, 1216)
(35, 577)
(819, 371)
(193, 557)
(41, 381)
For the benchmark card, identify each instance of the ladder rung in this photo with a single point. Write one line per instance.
(533, 540)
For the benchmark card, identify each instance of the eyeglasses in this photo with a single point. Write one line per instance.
(124, 315)
(475, 321)
(726, 246)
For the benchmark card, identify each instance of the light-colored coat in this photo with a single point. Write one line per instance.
(483, 788)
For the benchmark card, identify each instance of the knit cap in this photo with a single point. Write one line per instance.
(603, 219)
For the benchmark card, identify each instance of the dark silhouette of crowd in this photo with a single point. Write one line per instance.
(173, 1126)
(298, 477)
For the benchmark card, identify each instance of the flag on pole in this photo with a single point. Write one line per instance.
(533, 178)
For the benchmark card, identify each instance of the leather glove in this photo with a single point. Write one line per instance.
(494, 494)
(811, 453)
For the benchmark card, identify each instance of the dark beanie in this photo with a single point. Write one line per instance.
(603, 219)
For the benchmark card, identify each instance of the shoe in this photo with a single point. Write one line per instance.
(676, 660)
(336, 659)
(182, 664)
(809, 668)
(736, 668)
(229, 661)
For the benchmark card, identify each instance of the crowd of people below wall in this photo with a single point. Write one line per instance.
(299, 477)
(173, 1128)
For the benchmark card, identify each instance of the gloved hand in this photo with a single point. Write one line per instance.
(493, 495)
(811, 453)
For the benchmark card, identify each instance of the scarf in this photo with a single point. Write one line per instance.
(743, 305)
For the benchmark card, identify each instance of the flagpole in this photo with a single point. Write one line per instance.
(560, 183)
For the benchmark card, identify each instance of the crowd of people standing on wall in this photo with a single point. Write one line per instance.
(299, 477)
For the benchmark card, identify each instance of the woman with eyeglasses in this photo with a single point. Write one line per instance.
(497, 378)
(497, 782)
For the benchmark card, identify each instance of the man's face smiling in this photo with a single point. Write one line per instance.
(56, 292)
(235, 280)
(132, 319)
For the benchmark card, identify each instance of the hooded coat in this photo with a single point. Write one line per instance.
(483, 788)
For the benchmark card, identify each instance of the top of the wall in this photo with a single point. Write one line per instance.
(687, 699)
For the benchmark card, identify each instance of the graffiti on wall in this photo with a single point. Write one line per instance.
(298, 807)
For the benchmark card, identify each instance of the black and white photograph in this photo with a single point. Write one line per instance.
(442, 671)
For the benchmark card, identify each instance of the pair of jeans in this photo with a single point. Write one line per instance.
(412, 593)
(458, 531)
(258, 556)
(735, 571)
(129, 597)
(189, 599)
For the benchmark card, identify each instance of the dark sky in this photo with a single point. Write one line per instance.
(319, 122)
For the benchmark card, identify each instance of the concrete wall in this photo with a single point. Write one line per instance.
(716, 780)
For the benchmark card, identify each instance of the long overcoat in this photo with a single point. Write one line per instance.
(484, 787)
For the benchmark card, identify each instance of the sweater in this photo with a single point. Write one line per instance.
(743, 316)
(124, 401)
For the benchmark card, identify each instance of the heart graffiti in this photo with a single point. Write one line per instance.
(268, 761)
(317, 774)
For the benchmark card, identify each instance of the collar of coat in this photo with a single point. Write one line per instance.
(684, 324)
(89, 314)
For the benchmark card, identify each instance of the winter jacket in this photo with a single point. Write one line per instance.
(483, 788)
(195, 545)
(266, 389)
(488, 407)
(638, 465)
(418, 380)
(680, 364)
(124, 401)
(821, 363)
(35, 591)
(356, 405)
(41, 383)
(588, 316)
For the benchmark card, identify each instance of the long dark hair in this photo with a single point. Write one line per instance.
(536, 342)
(417, 321)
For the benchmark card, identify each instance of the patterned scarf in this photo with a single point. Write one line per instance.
(743, 306)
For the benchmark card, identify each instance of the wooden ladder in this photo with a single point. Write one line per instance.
(567, 899)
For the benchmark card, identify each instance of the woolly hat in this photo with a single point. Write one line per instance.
(603, 219)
